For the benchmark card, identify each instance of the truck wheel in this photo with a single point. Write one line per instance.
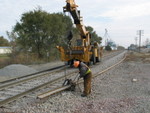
(97, 59)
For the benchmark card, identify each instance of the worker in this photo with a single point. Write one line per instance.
(86, 74)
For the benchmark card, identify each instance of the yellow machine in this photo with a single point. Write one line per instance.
(84, 51)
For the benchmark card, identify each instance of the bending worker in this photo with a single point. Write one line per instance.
(86, 74)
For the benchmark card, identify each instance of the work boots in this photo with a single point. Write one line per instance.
(83, 95)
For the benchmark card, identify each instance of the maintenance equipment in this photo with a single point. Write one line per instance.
(71, 82)
(83, 51)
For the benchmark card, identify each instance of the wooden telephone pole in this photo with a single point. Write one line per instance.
(140, 33)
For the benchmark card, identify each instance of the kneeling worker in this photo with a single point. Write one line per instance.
(86, 73)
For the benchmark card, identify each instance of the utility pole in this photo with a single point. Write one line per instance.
(140, 33)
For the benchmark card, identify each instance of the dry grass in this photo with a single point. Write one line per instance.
(18, 59)
(141, 57)
(4, 59)
(23, 58)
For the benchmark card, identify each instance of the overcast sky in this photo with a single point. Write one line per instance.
(122, 18)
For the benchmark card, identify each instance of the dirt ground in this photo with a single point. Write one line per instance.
(124, 89)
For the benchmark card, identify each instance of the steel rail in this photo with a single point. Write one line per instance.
(25, 79)
(15, 81)
(62, 88)
(8, 100)
(17, 78)
(30, 77)
(40, 72)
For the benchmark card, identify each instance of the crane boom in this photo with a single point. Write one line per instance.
(84, 51)
(71, 7)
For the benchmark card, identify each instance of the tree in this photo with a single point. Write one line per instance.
(108, 48)
(120, 48)
(40, 31)
(3, 41)
(94, 36)
(12, 37)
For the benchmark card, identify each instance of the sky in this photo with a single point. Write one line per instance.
(121, 18)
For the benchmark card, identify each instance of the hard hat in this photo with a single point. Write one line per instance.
(76, 63)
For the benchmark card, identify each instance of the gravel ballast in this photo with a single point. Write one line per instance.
(124, 89)
(16, 70)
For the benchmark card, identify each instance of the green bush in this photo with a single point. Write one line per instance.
(108, 48)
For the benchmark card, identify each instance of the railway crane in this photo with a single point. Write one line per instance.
(84, 50)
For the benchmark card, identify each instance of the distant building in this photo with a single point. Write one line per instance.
(132, 47)
(148, 46)
(5, 50)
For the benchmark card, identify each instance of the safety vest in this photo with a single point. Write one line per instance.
(88, 71)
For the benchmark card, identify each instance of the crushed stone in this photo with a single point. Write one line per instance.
(16, 70)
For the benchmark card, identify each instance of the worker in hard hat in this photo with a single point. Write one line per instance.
(86, 74)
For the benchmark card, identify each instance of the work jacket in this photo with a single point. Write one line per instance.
(83, 69)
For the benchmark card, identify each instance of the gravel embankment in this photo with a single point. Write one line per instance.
(18, 70)
(124, 89)
(41, 67)
(15, 70)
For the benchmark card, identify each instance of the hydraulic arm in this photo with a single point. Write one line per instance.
(71, 7)
(84, 51)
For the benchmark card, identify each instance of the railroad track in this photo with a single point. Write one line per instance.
(26, 76)
(44, 71)
(18, 88)
(34, 85)
(62, 88)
